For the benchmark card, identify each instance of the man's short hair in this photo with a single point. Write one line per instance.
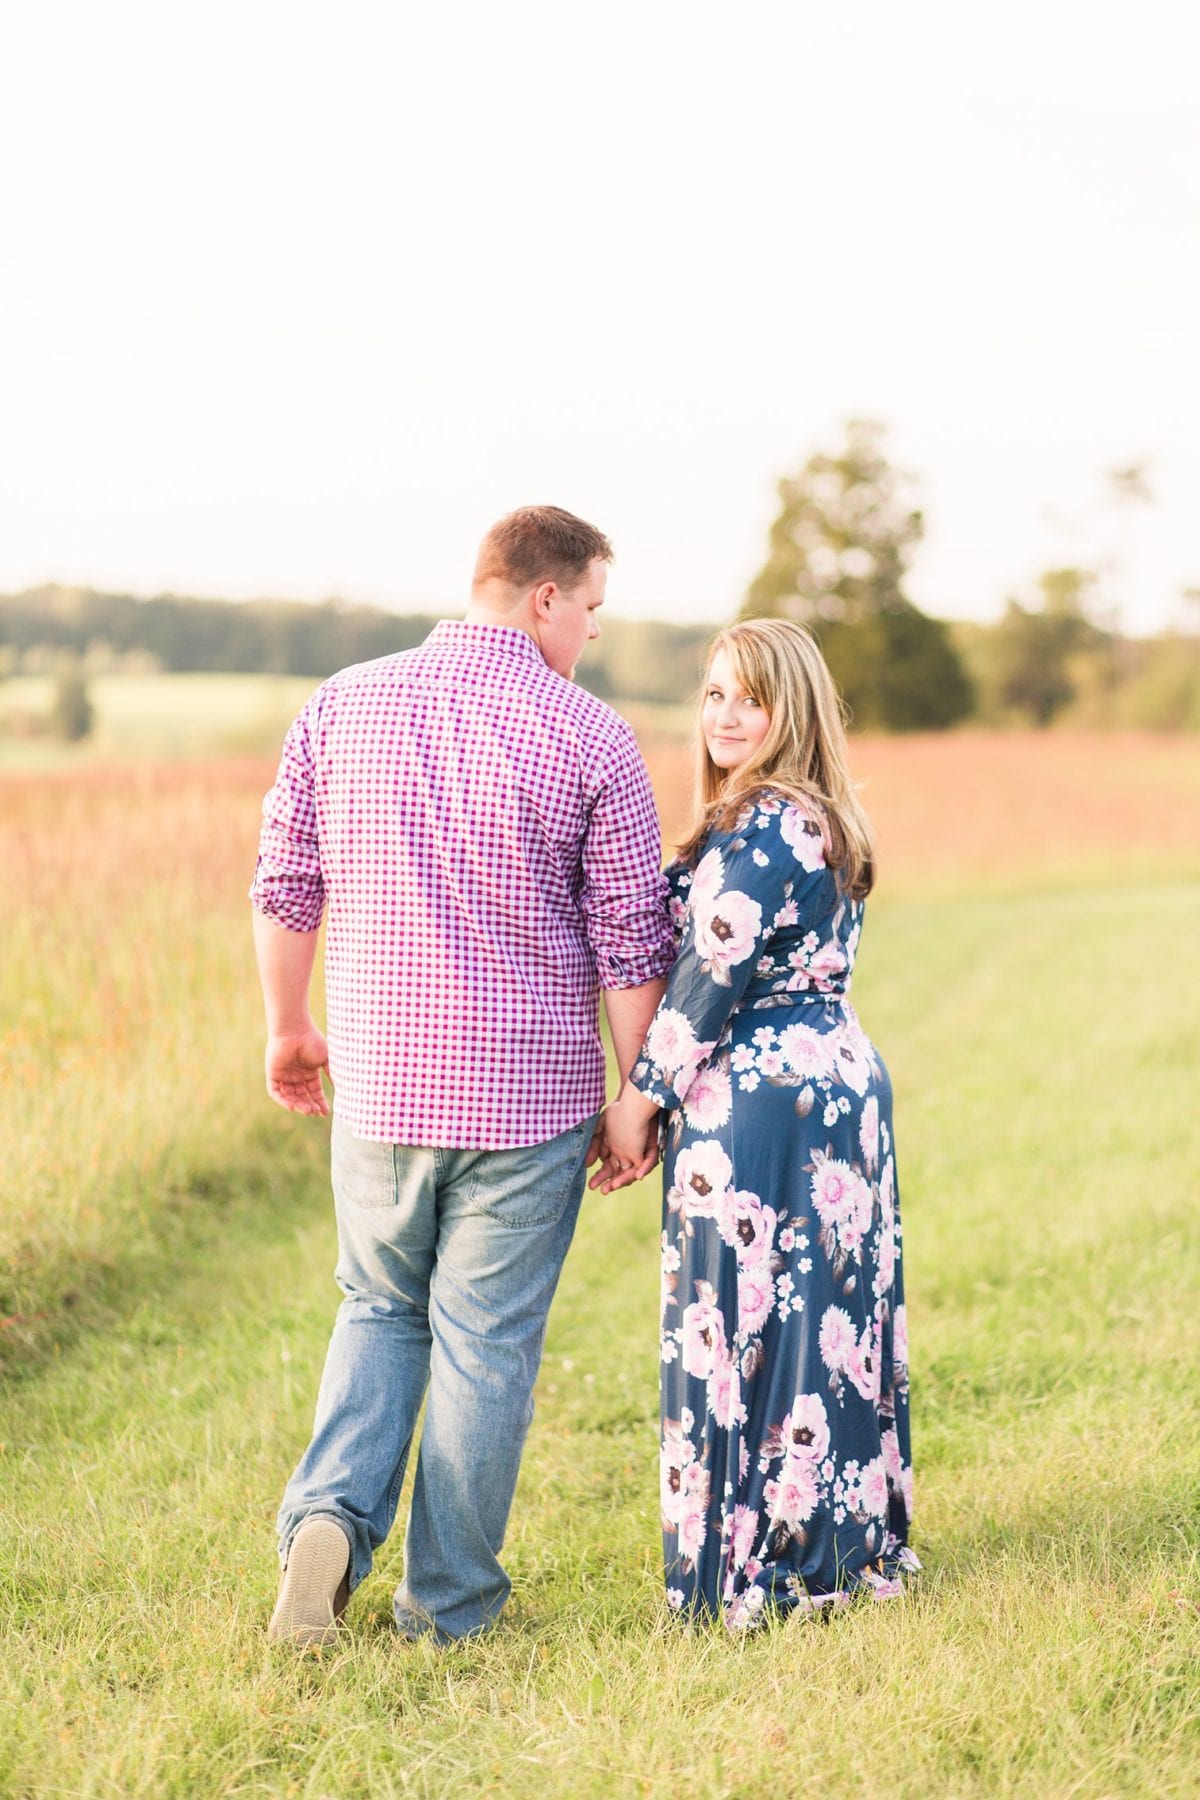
(540, 543)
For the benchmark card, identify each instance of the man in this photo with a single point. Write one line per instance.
(483, 835)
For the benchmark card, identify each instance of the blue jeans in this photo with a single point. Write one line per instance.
(448, 1260)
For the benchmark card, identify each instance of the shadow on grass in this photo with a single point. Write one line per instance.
(175, 1224)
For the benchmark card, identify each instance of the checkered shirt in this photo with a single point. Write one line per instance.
(484, 836)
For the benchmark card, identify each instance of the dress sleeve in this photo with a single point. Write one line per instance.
(288, 885)
(743, 891)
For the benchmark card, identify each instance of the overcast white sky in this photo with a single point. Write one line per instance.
(296, 298)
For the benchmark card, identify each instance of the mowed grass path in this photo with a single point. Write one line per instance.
(1044, 1048)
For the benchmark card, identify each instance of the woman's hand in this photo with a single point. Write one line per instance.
(630, 1141)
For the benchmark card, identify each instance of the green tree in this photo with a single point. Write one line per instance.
(71, 714)
(837, 556)
(1037, 651)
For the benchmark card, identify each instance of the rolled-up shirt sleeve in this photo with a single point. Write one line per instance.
(624, 897)
(288, 885)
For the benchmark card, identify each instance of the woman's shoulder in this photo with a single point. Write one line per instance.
(779, 824)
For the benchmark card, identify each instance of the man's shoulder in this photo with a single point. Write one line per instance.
(581, 706)
(379, 674)
(378, 671)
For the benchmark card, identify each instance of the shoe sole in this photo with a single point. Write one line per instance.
(306, 1612)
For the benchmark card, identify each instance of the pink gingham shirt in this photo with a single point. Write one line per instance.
(484, 836)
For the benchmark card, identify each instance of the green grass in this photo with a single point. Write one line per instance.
(156, 715)
(1044, 1051)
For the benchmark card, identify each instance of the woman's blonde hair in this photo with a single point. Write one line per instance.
(804, 752)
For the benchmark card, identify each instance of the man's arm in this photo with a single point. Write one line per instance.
(625, 909)
(629, 1012)
(296, 1050)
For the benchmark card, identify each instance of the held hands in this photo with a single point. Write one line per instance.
(294, 1066)
(626, 1141)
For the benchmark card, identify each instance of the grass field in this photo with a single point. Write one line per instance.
(161, 716)
(1031, 970)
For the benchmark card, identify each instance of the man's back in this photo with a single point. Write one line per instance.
(484, 835)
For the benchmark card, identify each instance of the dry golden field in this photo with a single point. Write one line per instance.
(978, 807)
(129, 1005)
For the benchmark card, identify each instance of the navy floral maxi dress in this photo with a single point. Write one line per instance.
(786, 1467)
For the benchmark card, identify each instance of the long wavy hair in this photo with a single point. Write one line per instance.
(804, 752)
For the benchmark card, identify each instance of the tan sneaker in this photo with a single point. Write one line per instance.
(315, 1586)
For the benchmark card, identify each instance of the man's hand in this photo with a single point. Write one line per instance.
(597, 1149)
(294, 1066)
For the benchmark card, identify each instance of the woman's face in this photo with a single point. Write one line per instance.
(733, 722)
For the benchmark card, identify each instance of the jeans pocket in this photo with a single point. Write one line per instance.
(530, 1186)
(363, 1171)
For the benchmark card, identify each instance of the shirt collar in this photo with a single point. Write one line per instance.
(464, 634)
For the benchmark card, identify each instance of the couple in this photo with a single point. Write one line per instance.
(484, 836)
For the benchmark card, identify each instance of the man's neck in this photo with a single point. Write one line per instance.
(480, 613)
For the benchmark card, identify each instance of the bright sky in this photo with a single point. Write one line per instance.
(297, 298)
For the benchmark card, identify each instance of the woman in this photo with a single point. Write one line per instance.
(786, 1478)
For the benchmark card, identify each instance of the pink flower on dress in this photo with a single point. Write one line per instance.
(887, 1191)
(670, 1042)
(900, 1339)
(746, 1225)
(839, 1193)
(695, 1481)
(874, 1489)
(802, 834)
(693, 1529)
(805, 1431)
(853, 1058)
(793, 1497)
(890, 1443)
(837, 1338)
(868, 1135)
(703, 1338)
(829, 960)
(708, 879)
(745, 1530)
(862, 1364)
(707, 1101)
(727, 929)
(808, 1052)
(850, 1236)
(885, 1272)
(702, 1174)
(674, 1462)
(725, 1391)
(756, 1297)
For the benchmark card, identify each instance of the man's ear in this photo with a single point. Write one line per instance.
(543, 594)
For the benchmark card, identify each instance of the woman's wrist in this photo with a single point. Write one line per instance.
(632, 1101)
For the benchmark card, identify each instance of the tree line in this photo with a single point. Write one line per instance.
(837, 558)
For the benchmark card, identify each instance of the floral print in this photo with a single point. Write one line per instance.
(786, 1469)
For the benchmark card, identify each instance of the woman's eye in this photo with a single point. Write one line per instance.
(750, 700)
